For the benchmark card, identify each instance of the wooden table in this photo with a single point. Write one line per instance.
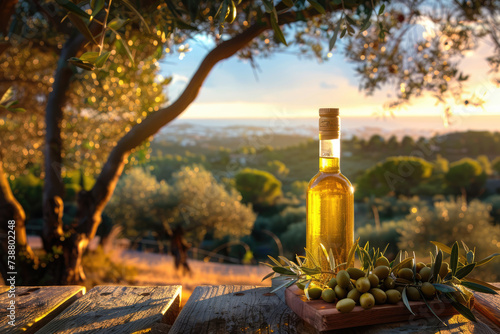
(210, 309)
(249, 309)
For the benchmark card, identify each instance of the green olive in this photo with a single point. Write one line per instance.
(379, 295)
(406, 273)
(412, 293)
(301, 286)
(400, 289)
(332, 283)
(328, 295)
(381, 271)
(445, 268)
(343, 279)
(345, 305)
(314, 292)
(363, 284)
(419, 266)
(354, 294)
(425, 274)
(393, 296)
(428, 290)
(355, 273)
(389, 283)
(374, 281)
(340, 292)
(382, 261)
(367, 301)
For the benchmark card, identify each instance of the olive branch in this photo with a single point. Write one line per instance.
(450, 281)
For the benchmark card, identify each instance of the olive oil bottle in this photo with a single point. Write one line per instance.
(330, 196)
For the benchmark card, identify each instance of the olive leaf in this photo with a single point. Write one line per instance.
(447, 250)
(405, 300)
(350, 256)
(464, 310)
(454, 258)
(277, 30)
(482, 283)
(430, 308)
(335, 34)
(479, 287)
(487, 259)
(436, 266)
(72, 8)
(401, 264)
(464, 271)
(274, 260)
(9, 94)
(317, 6)
(284, 271)
(136, 12)
(444, 287)
(268, 275)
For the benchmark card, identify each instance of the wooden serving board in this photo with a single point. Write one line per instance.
(324, 316)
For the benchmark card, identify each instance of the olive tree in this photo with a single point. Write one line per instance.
(112, 39)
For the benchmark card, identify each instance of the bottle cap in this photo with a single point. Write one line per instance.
(329, 123)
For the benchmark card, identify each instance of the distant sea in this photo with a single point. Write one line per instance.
(360, 126)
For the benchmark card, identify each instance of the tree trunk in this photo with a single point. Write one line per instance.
(12, 211)
(53, 192)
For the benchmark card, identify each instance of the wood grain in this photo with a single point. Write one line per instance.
(221, 309)
(325, 316)
(118, 309)
(489, 305)
(36, 306)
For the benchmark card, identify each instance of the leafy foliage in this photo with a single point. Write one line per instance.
(395, 174)
(448, 221)
(258, 187)
(195, 200)
(466, 174)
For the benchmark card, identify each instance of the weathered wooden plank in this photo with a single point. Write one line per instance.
(118, 309)
(237, 309)
(36, 306)
(249, 309)
(489, 305)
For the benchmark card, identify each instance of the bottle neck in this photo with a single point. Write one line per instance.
(329, 155)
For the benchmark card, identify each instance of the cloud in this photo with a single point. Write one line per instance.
(326, 85)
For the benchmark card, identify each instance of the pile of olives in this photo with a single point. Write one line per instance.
(354, 286)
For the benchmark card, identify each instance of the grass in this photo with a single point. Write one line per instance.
(157, 269)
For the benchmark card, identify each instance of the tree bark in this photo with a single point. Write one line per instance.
(8, 7)
(11, 210)
(53, 191)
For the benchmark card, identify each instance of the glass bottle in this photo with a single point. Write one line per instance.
(330, 196)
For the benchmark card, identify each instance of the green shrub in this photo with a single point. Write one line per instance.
(294, 239)
(494, 201)
(451, 221)
(397, 175)
(258, 187)
(466, 174)
(101, 269)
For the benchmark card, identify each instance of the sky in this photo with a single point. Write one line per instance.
(289, 87)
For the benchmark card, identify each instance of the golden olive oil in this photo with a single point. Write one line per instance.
(330, 197)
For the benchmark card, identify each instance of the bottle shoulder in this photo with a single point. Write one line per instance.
(334, 181)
